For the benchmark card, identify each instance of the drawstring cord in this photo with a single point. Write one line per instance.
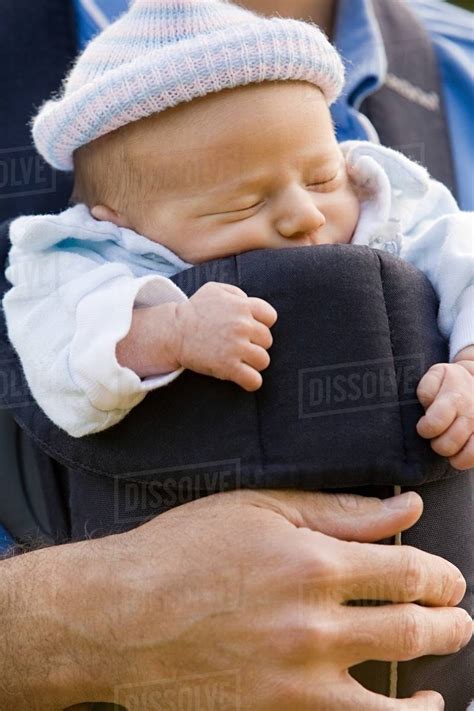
(394, 665)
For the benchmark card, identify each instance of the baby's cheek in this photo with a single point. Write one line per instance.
(354, 212)
(346, 213)
(212, 241)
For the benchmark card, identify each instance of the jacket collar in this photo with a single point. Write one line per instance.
(358, 38)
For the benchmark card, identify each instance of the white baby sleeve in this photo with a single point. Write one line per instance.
(440, 242)
(65, 315)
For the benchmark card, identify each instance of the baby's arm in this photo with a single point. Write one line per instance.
(447, 394)
(93, 338)
(220, 332)
(65, 315)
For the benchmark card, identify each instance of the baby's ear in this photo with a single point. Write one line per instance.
(102, 213)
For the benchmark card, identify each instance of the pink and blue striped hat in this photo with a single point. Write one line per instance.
(164, 52)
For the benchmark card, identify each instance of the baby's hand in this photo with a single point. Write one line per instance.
(446, 392)
(225, 333)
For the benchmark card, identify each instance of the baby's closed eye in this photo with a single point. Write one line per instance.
(242, 209)
(330, 184)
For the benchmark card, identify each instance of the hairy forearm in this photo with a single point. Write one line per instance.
(29, 644)
(47, 659)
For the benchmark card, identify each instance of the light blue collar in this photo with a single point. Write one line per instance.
(358, 38)
(92, 16)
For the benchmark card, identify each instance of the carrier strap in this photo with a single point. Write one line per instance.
(408, 111)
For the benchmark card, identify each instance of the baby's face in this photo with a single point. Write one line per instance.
(250, 168)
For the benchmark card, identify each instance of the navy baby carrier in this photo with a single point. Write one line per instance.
(337, 410)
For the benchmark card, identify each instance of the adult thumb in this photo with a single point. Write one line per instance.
(351, 517)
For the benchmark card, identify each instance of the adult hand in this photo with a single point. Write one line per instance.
(239, 594)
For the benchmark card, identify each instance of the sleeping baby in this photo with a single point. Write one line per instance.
(195, 133)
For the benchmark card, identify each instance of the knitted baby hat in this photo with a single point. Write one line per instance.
(164, 52)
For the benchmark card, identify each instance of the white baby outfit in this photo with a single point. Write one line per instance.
(76, 282)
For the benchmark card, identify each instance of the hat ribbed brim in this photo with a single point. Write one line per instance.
(273, 49)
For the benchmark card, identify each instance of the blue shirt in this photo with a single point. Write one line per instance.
(93, 15)
(6, 542)
(358, 39)
(357, 36)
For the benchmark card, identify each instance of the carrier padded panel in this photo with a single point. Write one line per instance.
(357, 329)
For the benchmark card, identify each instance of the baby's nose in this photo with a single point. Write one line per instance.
(301, 220)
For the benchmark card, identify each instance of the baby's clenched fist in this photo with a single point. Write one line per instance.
(224, 333)
(446, 392)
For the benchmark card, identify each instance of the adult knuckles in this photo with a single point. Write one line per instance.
(318, 638)
(446, 584)
(413, 573)
(309, 637)
(323, 565)
(412, 634)
(416, 634)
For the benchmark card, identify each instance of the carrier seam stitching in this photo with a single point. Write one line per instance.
(393, 674)
(390, 330)
(255, 395)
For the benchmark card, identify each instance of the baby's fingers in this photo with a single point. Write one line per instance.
(465, 458)
(439, 416)
(247, 377)
(256, 357)
(263, 311)
(430, 385)
(454, 438)
(261, 335)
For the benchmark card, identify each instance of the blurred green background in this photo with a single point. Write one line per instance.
(468, 4)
